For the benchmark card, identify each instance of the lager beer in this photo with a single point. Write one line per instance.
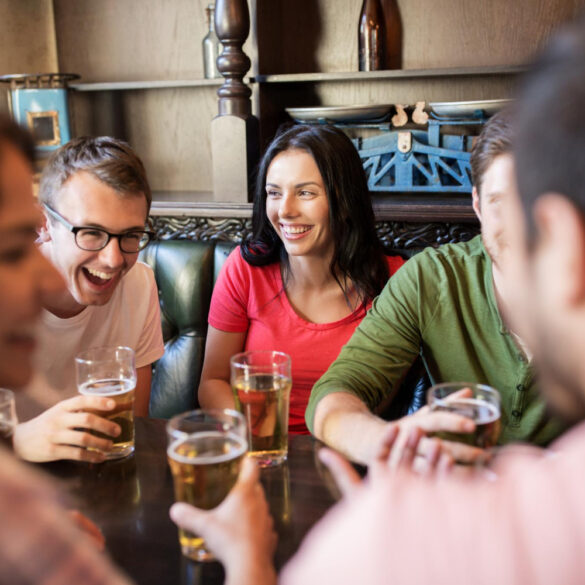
(205, 465)
(110, 372)
(264, 399)
(122, 392)
(6, 432)
(7, 417)
(486, 417)
(479, 402)
(261, 382)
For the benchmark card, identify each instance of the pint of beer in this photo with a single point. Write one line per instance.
(7, 417)
(205, 453)
(479, 402)
(111, 372)
(261, 382)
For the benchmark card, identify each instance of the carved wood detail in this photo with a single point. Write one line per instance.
(393, 234)
(232, 24)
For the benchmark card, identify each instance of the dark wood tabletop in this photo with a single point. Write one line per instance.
(129, 500)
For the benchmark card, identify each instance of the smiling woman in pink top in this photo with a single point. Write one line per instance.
(305, 279)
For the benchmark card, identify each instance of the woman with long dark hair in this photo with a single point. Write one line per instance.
(304, 280)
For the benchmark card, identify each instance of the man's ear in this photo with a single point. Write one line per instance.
(561, 236)
(43, 230)
(475, 202)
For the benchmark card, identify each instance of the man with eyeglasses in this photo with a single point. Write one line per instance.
(95, 198)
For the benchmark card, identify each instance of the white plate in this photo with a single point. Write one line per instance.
(338, 113)
(468, 108)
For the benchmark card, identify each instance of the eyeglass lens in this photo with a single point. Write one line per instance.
(95, 239)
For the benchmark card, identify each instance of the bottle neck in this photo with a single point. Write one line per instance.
(210, 20)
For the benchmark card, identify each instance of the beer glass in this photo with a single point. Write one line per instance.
(205, 453)
(7, 417)
(261, 382)
(479, 402)
(111, 372)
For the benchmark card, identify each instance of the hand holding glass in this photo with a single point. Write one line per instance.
(110, 372)
(479, 402)
(261, 382)
(205, 453)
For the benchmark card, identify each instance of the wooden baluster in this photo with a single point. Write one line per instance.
(234, 131)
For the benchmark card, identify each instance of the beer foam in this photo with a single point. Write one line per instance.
(109, 387)
(237, 450)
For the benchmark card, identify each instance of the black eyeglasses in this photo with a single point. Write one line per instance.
(93, 239)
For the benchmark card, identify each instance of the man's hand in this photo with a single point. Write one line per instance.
(239, 531)
(400, 449)
(61, 432)
(437, 421)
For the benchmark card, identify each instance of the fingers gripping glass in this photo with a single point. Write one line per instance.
(94, 239)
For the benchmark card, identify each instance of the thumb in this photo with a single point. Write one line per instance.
(188, 517)
(249, 474)
(345, 476)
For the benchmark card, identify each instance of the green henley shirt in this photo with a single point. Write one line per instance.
(441, 303)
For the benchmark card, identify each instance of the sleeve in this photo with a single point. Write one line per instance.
(384, 345)
(511, 531)
(38, 543)
(150, 345)
(228, 310)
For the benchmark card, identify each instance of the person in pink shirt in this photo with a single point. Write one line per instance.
(523, 521)
(304, 281)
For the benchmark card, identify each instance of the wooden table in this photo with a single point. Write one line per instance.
(129, 500)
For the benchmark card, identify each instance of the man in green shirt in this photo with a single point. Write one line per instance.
(446, 304)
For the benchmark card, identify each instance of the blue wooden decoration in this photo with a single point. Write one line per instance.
(39, 102)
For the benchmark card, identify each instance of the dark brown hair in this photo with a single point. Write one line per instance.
(495, 139)
(17, 136)
(109, 160)
(358, 254)
(550, 141)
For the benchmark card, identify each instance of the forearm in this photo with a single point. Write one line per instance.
(252, 571)
(345, 423)
(215, 393)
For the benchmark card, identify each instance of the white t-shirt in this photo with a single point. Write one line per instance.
(131, 318)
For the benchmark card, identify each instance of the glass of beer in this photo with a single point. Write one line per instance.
(205, 453)
(111, 372)
(261, 382)
(479, 402)
(7, 417)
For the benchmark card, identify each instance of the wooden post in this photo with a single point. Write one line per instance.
(234, 131)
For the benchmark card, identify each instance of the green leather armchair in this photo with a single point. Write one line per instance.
(185, 272)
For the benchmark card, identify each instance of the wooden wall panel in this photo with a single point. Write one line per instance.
(27, 39)
(321, 35)
(169, 129)
(131, 40)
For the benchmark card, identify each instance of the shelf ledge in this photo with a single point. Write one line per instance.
(390, 74)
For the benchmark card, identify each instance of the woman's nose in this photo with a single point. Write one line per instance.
(287, 205)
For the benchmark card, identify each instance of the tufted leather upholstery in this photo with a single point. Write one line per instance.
(185, 272)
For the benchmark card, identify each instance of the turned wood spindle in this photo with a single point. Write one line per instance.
(232, 25)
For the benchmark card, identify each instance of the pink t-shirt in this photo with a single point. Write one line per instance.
(250, 298)
(522, 525)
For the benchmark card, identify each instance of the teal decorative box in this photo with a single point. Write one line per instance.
(39, 102)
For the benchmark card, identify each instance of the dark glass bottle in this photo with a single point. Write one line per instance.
(372, 37)
(393, 24)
